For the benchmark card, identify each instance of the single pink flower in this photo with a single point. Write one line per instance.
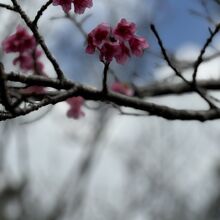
(122, 88)
(123, 53)
(81, 5)
(109, 50)
(124, 30)
(19, 42)
(75, 107)
(99, 34)
(65, 4)
(137, 45)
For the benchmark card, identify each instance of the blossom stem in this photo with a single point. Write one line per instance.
(104, 81)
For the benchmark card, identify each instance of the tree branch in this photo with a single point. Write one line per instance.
(90, 93)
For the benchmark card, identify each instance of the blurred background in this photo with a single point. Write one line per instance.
(108, 165)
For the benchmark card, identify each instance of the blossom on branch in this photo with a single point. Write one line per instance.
(75, 107)
(122, 88)
(118, 42)
(79, 5)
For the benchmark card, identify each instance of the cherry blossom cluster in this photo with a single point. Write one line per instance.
(79, 5)
(119, 42)
(25, 45)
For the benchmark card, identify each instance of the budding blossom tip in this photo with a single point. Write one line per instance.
(119, 42)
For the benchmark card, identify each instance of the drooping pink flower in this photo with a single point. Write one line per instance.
(124, 30)
(65, 4)
(25, 45)
(75, 110)
(20, 42)
(27, 62)
(81, 5)
(122, 88)
(137, 45)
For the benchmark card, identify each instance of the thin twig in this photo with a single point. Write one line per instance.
(77, 24)
(41, 11)
(9, 7)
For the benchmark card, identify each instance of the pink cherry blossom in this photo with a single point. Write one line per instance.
(122, 88)
(109, 50)
(138, 44)
(81, 5)
(19, 42)
(65, 4)
(75, 107)
(97, 36)
(123, 53)
(124, 30)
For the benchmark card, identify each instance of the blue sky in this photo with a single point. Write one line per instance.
(183, 27)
